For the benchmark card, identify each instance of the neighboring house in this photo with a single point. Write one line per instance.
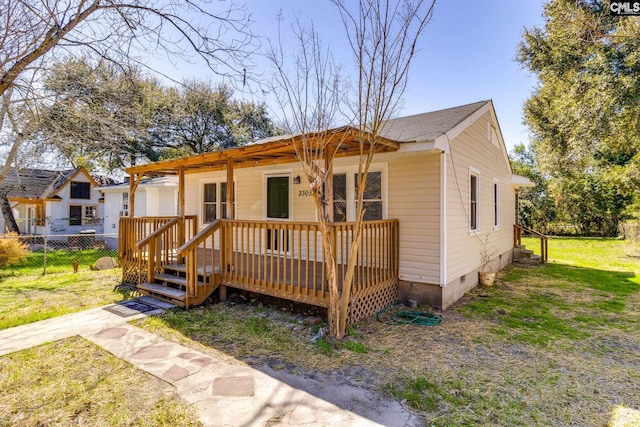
(50, 202)
(443, 179)
(154, 197)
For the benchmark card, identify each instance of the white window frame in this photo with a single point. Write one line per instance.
(495, 188)
(219, 202)
(124, 211)
(351, 172)
(473, 172)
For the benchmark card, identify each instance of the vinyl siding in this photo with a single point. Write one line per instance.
(413, 199)
(473, 149)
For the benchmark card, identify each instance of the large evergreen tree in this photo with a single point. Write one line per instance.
(113, 117)
(584, 115)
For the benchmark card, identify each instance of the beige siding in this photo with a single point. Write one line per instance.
(472, 149)
(413, 199)
(250, 192)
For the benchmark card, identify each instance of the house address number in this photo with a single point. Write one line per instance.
(305, 193)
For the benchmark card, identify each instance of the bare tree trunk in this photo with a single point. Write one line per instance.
(7, 213)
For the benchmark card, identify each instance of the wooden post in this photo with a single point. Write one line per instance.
(225, 239)
(224, 262)
(230, 190)
(328, 187)
(181, 191)
(132, 189)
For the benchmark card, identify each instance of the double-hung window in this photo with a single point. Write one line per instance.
(496, 203)
(345, 196)
(372, 197)
(125, 204)
(214, 201)
(474, 197)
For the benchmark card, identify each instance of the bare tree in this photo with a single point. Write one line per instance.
(34, 31)
(383, 35)
(123, 31)
(18, 119)
(310, 91)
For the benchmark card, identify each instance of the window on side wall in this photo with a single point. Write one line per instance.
(474, 193)
(496, 203)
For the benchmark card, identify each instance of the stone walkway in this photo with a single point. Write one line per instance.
(225, 391)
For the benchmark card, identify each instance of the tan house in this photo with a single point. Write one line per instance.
(440, 183)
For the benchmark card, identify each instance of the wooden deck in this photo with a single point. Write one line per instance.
(236, 253)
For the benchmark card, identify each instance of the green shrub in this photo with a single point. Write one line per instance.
(12, 251)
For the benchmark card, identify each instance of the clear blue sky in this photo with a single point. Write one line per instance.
(466, 54)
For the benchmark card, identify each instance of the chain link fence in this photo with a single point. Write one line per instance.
(66, 253)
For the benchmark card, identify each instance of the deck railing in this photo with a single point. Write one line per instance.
(286, 260)
(518, 230)
(281, 259)
(132, 230)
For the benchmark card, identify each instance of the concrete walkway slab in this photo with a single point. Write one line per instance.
(225, 391)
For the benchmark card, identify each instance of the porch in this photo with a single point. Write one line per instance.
(166, 258)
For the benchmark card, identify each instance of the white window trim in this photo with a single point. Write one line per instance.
(288, 173)
(495, 189)
(475, 172)
(350, 172)
(216, 181)
(124, 204)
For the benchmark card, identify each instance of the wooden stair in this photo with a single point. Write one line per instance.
(523, 255)
(171, 285)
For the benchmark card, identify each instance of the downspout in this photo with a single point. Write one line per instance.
(443, 219)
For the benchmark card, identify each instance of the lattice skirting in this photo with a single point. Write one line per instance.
(371, 300)
(129, 272)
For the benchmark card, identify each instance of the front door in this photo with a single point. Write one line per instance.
(277, 208)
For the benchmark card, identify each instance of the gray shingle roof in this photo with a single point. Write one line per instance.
(429, 126)
(417, 128)
(34, 183)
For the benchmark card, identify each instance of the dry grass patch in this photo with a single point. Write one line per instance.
(555, 345)
(73, 382)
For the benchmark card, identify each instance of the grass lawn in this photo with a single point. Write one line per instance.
(26, 295)
(550, 345)
(73, 382)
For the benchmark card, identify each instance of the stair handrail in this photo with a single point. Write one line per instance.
(189, 251)
(544, 240)
(199, 237)
(151, 241)
(160, 230)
